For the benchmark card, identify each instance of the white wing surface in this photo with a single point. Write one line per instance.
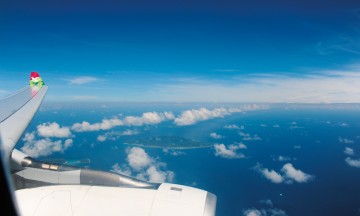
(17, 110)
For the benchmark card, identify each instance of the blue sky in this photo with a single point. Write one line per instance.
(227, 51)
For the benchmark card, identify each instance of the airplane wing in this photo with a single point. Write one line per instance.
(17, 110)
(50, 188)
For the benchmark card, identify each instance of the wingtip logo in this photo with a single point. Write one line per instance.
(35, 80)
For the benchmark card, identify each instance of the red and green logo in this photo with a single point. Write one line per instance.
(35, 80)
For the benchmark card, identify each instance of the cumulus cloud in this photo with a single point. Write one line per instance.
(190, 117)
(138, 158)
(248, 137)
(269, 211)
(114, 135)
(271, 175)
(353, 162)
(101, 138)
(253, 212)
(147, 118)
(153, 174)
(216, 136)
(238, 146)
(43, 147)
(122, 170)
(53, 130)
(29, 137)
(143, 166)
(82, 80)
(243, 134)
(348, 151)
(229, 152)
(105, 124)
(289, 174)
(297, 175)
(193, 116)
(276, 126)
(129, 132)
(283, 158)
(345, 140)
(276, 212)
(234, 126)
(169, 115)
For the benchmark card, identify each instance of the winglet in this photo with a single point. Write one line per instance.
(35, 80)
(17, 110)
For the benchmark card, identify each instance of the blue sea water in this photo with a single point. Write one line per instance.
(310, 137)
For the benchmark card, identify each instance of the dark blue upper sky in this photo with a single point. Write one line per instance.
(153, 46)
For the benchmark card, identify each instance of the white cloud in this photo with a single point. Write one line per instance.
(243, 134)
(43, 147)
(253, 212)
(353, 162)
(234, 126)
(153, 174)
(248, 137)
(216, 136)
(229, 152)
(297, 175)
(276, 212)
(345, 140)
(349, 151)
(289, 175)
(276, 126)
(238, 146)
(283, 158)
(190, 117)
(169, 115)
(53, 130)
(129, 132)
(138, 158)
(263, 125)
(271, 175)
(253, 138)
(270, 211)
(193, 116)
(101, 138)
(148, 118)
(105, 124)
(114, 135)
(82, 80)
(125, 170)
(144, 167)
(29, 137)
